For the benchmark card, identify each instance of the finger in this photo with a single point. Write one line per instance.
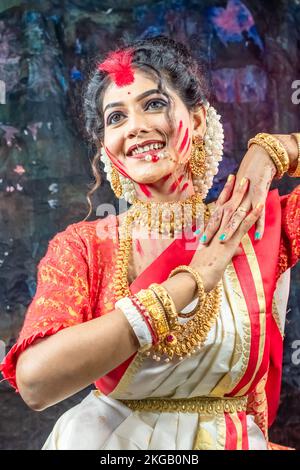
(249, 221)
(214, 222)
(234, 223)
(260, 225)
(231, 206)
(226, 192)
(239, 193)
(212, 226)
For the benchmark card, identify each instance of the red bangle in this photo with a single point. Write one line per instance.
(145, 315)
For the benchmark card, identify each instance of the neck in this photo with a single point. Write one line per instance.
(166, 189)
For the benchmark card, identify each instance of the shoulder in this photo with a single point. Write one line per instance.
(93, 240)
(85, 232)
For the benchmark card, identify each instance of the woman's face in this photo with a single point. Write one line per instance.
(136, 114)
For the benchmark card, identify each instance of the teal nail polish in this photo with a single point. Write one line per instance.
(197, 232)
(257, 236)
(203, 238)
(222, 237)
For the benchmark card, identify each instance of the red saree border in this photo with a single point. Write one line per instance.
(231, 433)
(243, 273)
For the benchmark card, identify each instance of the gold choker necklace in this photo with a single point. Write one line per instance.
(167, 218)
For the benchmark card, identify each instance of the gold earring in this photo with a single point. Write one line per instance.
(116, 183)
(198, 156)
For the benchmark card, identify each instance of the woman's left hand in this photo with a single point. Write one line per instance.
(259, 169)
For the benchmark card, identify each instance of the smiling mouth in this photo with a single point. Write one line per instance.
(140, 155)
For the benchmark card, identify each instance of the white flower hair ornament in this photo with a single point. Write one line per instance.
(213, 147)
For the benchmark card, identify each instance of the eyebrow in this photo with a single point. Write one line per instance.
(139, 98)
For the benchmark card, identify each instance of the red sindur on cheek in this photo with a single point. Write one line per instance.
(176, 138)
(184, 140)
(184, 154)
(113, 157)
(139, 247)
(184, 187)
(185, 143)
(117, 163)
(145, 190)
(178, 130)
(166, 177)
(175, 184)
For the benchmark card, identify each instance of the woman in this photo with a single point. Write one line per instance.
(107, 290)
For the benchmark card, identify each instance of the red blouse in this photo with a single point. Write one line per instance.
(75, 277)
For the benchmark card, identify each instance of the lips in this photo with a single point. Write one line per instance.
(142, 144)
(140, 156)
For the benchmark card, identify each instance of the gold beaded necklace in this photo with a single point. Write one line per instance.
(188, 337)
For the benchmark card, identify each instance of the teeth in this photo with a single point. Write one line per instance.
(146, 148)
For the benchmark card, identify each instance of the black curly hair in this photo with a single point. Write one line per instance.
(164, 60)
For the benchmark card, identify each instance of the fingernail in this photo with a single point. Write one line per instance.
(243, 181)
(203, 238)
(222, 237)
(259, 205)
(230, 178)
(197, 232)
(257, 236)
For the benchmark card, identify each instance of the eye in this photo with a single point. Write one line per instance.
(110, 119)
(161, 104)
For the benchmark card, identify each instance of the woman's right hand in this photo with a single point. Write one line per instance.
(211, 259)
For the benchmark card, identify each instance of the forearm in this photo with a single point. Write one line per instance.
(63, 364)
(59, 366)
(182, 288)
(290, 144)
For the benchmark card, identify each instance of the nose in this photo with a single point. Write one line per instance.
(136, 126)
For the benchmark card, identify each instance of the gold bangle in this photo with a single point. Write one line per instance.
(150, 302)
(278, 147)
(167, 303)
(200, 287)
(296, 172)
(276, 151)
(271, 153)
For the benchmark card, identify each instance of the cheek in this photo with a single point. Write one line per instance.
(112, 141)
(116, 161)
(182, 140)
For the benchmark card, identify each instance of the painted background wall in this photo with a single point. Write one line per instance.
(252, 52)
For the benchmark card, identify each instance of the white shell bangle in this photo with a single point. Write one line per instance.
(137, 322)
